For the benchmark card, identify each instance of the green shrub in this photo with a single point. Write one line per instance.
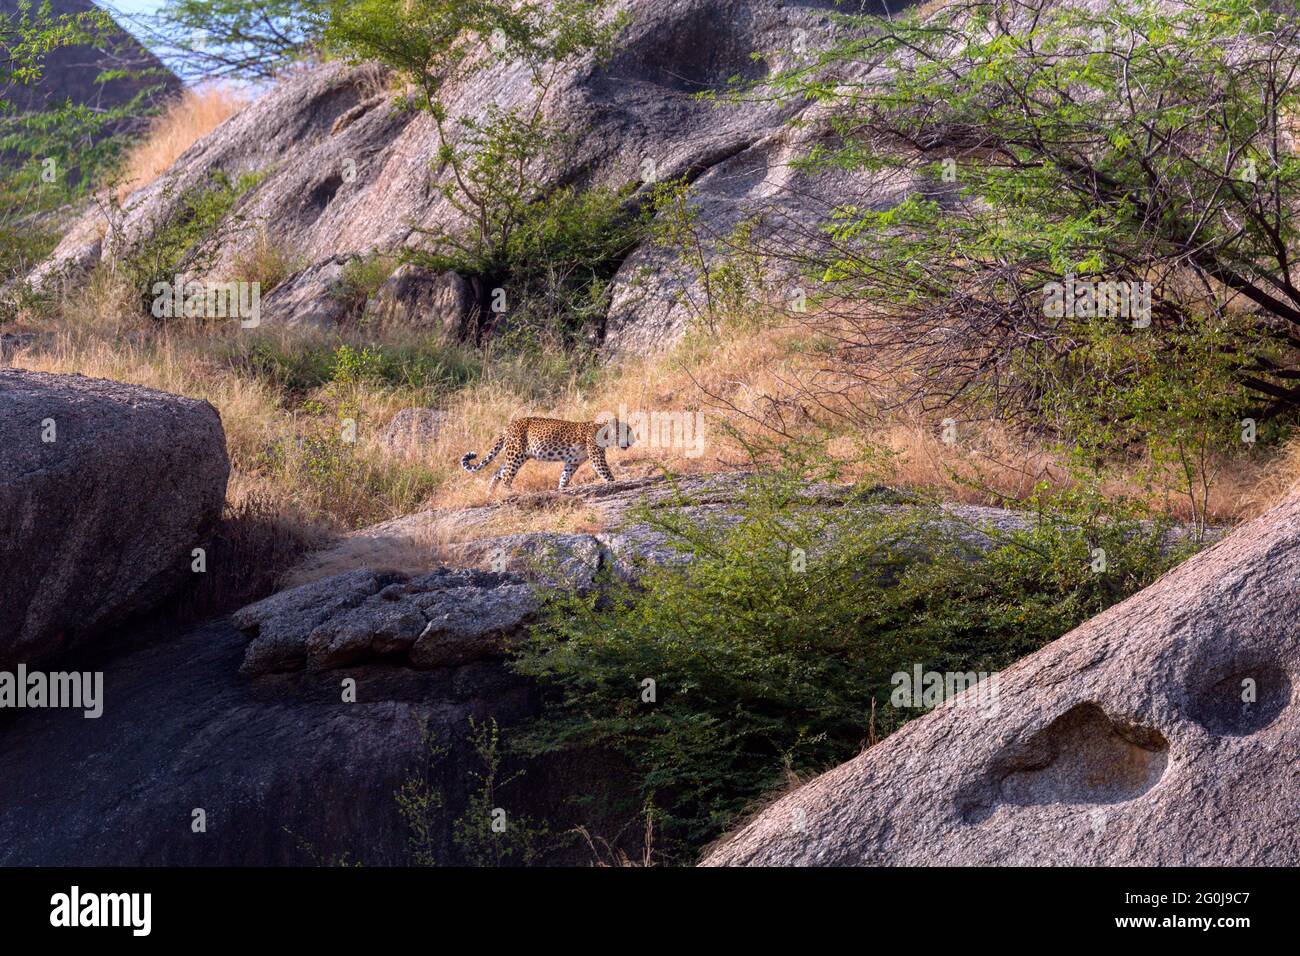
(51, 158)
(551, 253)
(484, 834)
(553, 267)
(361, 278)
(761, 669)
(21, 248)
(178, 243)
(297, 367)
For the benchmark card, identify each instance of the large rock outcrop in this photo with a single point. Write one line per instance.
(345, 172)
(105, 489)
(285, 770)
(1162, 732)
(295, 733)
(294, 725)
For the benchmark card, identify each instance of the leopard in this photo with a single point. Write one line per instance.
(553, 439)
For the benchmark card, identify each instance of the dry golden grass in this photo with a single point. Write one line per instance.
(186, 119)
(1269, 483)
(266, 262)
(286, 453)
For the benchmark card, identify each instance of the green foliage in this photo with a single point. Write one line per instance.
(552, 254)
(244, 39)
(30, 32)
(1173, 398)
(435, 42)
(421, 806)
(553, 259)
(435, 367)
(1053, 140)
(296, 367)
(727, 269)
(180, 243)
(52, 157)
(22, 246)
(762, 668)
(361, 278)
(485, 833)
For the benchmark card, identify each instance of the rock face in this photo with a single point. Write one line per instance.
(345, 172)
(443, 619)
(285, 770)
(443, 302)
(311, 297)
(295, 725)
(104, 490)
(1162, 732)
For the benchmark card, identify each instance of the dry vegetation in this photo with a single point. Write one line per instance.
(286, 398)
(186, 119)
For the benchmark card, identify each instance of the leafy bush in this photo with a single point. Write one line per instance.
(762, 669)
(550, 254)
(554, 266)
(53, 156)
(361, 278)
(178, 243)
(295, 367)
(482, 835)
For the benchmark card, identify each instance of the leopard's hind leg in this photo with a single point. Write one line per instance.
(509, 468)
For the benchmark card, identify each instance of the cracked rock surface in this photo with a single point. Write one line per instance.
(443, 619)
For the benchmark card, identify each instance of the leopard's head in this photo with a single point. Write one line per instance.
(614, 433)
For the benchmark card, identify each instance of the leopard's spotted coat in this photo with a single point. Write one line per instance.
(552, 439)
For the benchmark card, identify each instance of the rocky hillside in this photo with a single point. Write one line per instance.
(391, 614)
(342, 171)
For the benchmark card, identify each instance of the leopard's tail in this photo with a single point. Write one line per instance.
(470, 456)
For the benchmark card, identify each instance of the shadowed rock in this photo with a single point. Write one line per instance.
(105, 489)
(286, 771)
(1162, 732)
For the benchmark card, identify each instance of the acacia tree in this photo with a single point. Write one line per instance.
(236, 39)
(68, 136)
(28, 34)
(1129, 141)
